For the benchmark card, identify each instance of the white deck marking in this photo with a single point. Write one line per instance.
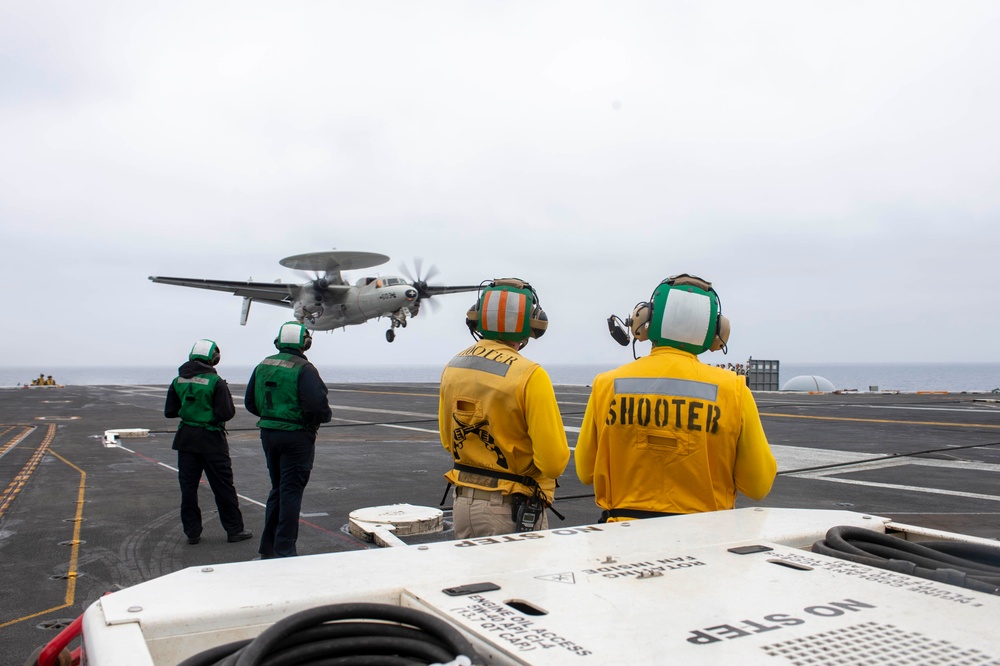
(384, 411)
(389, 425)
(799, 457)
(175, 471)
(981, 410)
(915, 489)
(793, 457)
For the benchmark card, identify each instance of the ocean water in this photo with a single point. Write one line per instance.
(903, 377)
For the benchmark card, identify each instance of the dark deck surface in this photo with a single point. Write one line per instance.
(78, 519)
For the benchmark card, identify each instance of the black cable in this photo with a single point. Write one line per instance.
(417, 650)
(348, 639)
(969, 565)
(350, 634)
(214, 655)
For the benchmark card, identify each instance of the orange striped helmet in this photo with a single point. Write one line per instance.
(507, 309)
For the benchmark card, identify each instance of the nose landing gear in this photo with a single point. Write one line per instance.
(398, 319)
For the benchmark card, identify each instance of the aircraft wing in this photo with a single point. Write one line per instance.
(438, 290)
(276, 293)
(272, 292)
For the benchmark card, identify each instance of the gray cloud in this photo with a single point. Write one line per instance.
(828, 166)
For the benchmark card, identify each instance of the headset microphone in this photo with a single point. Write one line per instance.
(617, 329)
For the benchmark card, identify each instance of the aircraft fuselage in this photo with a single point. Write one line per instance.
(369, 298)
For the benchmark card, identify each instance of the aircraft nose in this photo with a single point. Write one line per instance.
(411, 294)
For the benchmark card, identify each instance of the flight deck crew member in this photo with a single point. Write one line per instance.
(286, 392)
(499, 419)
(203, 402)
(667, 434)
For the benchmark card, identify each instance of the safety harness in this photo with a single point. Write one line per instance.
(506, 476)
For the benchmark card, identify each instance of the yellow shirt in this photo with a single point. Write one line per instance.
(670, 434)
(498, 411)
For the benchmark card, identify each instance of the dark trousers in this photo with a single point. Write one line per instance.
(289, 456)
(219, 470)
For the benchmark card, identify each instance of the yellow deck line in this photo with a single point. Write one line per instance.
(74, 557)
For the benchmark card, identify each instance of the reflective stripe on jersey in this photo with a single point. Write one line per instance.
(479, 363)
(663, 386)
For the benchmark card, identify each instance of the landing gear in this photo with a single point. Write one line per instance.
(398, 319)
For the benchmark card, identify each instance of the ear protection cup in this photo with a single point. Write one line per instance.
(638, 323)
(721, 335)
(538, 322)
(472, 318)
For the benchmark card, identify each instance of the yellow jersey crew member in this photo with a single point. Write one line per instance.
(499, 418)
(667, 434)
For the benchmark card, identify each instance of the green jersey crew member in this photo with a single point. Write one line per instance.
(203, 402)
(286, 392)
(667, 434)
(499, 419)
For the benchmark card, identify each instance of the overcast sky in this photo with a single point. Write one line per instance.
(831, 167)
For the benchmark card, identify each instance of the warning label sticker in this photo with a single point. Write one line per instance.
(517, 630)
(644, 568)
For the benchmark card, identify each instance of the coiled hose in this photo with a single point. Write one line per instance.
(969, 565)
(352, 634)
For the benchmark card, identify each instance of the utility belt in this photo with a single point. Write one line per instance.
(487, 495)
(632, 513)
(525, 509)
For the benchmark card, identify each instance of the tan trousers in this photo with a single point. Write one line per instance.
(482, 513)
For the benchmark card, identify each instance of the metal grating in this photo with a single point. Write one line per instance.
(874, 643)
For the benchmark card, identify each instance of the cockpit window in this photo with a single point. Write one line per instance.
(389, 282)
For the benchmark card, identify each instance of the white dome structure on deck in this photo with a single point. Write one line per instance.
(813, 383)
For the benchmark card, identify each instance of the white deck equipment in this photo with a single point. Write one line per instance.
(662, 590)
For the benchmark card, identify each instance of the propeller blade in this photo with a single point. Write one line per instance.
(418, 278)
(406, 273)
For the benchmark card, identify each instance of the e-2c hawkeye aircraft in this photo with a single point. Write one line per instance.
(328, 301)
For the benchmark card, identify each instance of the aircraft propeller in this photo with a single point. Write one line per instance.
(420, 281)
(317, 281)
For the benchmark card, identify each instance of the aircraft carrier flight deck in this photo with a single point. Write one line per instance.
(80, 518)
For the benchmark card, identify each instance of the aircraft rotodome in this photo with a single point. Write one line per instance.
(328, 301)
